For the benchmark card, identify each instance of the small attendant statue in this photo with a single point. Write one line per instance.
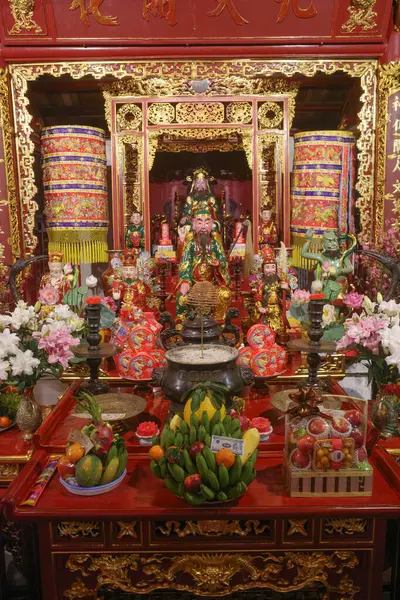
(267, 231)
(131, 293)
(57, 282)
(134, 237)
(333, 264)
(268, 294)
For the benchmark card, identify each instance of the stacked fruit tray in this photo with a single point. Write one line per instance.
(198, 458)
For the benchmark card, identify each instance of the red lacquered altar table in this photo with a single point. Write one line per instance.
(139, 537)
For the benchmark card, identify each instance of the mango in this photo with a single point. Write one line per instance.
(251, 439)
(89, 471)
(110, 471)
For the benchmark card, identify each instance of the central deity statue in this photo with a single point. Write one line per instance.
(200, 197)
(203, 259)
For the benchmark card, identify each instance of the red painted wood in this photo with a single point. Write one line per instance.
(84, 53)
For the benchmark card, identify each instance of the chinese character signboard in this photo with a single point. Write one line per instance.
(150, 22)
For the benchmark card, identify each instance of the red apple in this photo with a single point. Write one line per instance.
(192, 483)
(362, 454)
(300, 460)
(341, 425)
(358, 437)
(354, 417)
(305, 443)
(196, 448)
(66, 468)
(317, 426)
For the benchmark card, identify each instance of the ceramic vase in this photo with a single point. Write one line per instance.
(28, 416)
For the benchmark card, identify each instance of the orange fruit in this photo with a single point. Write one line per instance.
(75, 452)
(156, 452)
(225, 457)
(5, 422)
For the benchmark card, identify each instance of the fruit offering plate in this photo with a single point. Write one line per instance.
(71, 485)
(117, 407)
(8, 427)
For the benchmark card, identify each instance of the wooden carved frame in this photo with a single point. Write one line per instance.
(180, 79)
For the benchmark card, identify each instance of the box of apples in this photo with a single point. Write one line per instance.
(325, 451)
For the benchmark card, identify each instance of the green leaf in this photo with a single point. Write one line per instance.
(202, 395)
(195, 403)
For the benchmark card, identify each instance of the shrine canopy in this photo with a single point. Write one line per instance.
(176, 22)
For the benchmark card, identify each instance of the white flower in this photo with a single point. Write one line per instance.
(24, 363)
(5, 321)
(4, 366)
(22, 316)
(328, 315)
(316, 286)
(68, 268)
(390, 308)
(394, 359)
(91, 281)
(9, 342)
(379, 298)
(62, 311)
(368, 305)
(390, 338)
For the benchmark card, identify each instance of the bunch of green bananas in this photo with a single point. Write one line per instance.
(191, 470)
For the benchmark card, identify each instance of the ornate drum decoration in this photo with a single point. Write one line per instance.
(322, 187)
(75, 191)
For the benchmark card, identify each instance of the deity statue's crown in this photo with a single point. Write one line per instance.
(200, 170)
(200, 211)
(56, 257)
(129, 258)
(268, 256)
(267, 204)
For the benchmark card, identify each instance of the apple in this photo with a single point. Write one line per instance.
(354, 417)
(196, 448)
(317, 426)
(358, 437)
(305, 443)
(341, 425)
(362, 454)
(299, 459)
(65, 467)
(192, 483)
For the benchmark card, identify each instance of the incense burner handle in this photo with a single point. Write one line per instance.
(229, 329)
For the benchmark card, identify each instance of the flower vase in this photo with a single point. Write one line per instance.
(386, 413)
(28, 416)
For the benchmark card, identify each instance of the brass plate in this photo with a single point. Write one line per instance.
(282, 402)
(117, 406)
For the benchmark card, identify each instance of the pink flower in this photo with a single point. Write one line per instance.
(301, 297)
(109, 302)
(353, 300)
(57, 343)
(49, 295)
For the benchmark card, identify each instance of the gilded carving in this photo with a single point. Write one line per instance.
(78, 529)
(297, 526)
(212, 574)
(127, 529)
(229, 4)
(199, 146)
(344, 526)
(213, 528)
(347, 589)
(270, 115)
(171, 78)
(163, 8)
(78, 590)
(389, 84)
(161, 113)
(8, 470)
(92, 9)
(8, 135)
(301, 13)
(154, 138)
(129, 116)
(22, 12)
(361, 16)
(239, 112)
(130, 160)
(189, 113)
